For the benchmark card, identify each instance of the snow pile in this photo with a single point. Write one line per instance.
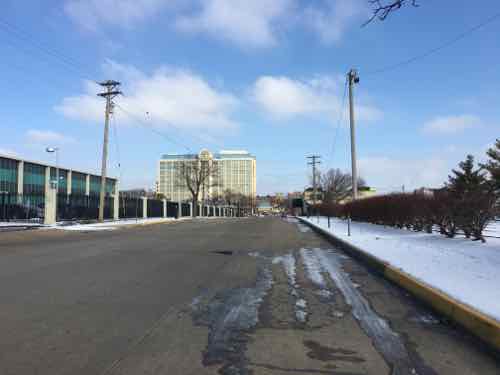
(492, 230)
(111, 225)
(18, 224)
(466, 270)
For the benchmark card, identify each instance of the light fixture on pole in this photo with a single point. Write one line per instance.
(55, 150)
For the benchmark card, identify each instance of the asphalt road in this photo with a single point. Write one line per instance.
(219, 296)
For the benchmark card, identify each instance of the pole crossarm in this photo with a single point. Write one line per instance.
(314, 162)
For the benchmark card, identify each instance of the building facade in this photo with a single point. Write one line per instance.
(233, 170)
(29, 188)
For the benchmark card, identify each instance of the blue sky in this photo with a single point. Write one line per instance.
(266, 76)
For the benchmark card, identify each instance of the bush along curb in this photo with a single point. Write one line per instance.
(485, 328)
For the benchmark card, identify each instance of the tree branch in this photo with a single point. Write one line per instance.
(381, 9)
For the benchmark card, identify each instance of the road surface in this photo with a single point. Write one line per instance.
(218, 296)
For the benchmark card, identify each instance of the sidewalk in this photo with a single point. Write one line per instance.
(465, 270)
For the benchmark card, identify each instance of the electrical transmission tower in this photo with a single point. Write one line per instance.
(314, 161)
(110, 93)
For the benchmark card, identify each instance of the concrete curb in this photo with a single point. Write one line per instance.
(475, 322)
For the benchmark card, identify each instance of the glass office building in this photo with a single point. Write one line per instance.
(25, 183)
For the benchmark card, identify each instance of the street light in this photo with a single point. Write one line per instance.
(54, 150)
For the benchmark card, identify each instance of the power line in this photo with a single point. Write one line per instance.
(66, 61)
(435, 49)
(169, 124)
(117, 142)
(340, 118)
(152, 129)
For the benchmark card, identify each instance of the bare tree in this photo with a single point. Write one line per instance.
(195, 175)
(229, 196)
(337, 185)
(382, 9)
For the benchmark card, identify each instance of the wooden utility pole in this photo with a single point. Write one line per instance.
(353, 78)
(110, 94)
(314, 161)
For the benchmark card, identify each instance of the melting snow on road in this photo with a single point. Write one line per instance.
(228, 315)
(320, 262)
(467, 271)
(289, 264)
(302, 228)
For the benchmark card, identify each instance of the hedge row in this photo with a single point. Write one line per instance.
(422, 212)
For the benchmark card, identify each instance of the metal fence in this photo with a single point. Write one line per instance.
(155, 208)
(172, 209)
(16, 207)
(82, 207)
(186, 209)
(130, 207)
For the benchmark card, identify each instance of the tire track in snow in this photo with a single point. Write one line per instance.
(389, 344)
(289, 264)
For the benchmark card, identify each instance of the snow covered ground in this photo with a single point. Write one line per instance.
(17, 224)
(111, 225)
(469, 271)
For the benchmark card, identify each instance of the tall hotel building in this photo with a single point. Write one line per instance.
(236, 171)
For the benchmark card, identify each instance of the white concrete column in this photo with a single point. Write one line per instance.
(50, 200)
(20, 177)
(87, 184)
(69, 178)
(144, 207)
(191, 209)
(165, 213)
(116, 202)
(179, 210)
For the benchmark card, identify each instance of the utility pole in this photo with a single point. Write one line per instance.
(353, 78)
(314, 161)
(110, 93)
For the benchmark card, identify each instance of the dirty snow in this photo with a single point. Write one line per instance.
(17, 224)
(110, 225)
(313, 268)
(387, 342)
(289, 264)
(468, 271)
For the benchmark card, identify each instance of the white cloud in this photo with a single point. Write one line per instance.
(8, 152)
(91, 14)
(330, 20)
(388, 174)
(284, 97)
(451, 124)
(48, 137)
(247, 23)
(250, 24)
(169, 95)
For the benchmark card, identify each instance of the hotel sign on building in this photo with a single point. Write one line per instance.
(234, 170)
